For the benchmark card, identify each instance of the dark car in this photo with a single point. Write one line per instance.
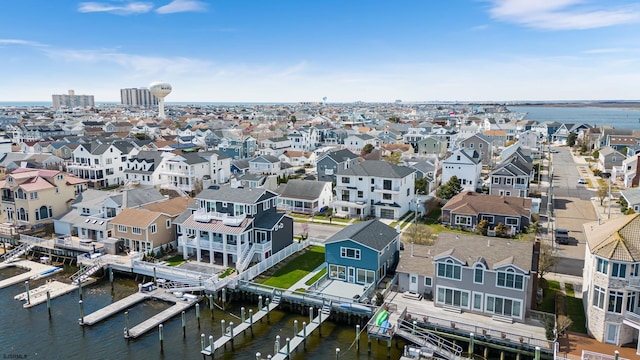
(562, 236)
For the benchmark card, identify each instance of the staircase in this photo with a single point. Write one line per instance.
(14, 254)
(427, 339)
(276, 299)
(185, 285)
(245, 258)
(326, 310)
(84, 273)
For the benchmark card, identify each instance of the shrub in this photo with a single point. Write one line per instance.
(379, 299)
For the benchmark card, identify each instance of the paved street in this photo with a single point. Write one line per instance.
(316, 231)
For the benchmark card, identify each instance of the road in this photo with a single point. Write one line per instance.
(573, 208)
(316, 231)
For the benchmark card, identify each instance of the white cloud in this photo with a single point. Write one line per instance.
(125, 9)
(603, 51)
(19, 42)
(177, 6)
(563, 14)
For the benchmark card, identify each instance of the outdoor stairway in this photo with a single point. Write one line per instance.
(276, 299)
(184, 285)
(84, 273)
(17, 252)
(245, 258)
(326, 309)
(427, 339)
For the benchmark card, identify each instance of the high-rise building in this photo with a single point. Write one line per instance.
(138, 97)
(71, 100)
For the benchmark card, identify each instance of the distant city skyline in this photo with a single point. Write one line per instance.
(372, 51)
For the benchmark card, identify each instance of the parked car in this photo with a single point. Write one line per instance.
(562, 236)
(582, 181)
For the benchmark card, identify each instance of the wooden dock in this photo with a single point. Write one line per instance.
(158, 319)
(240, 328)
(36, 271)
(285, 352)
(114, 308)
(55, 288)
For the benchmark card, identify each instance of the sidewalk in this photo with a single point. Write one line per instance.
(301, 283)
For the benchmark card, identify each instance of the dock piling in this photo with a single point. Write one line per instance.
(202, 341)
(81, 311)
(276, 346)
(231, 333)
(211, 344)
(155, 277)
(80, 288)
(223, 325)
(26, 285)
(310, 314)
(161, 337)
(126, 323)
(258, 356)
(537, 353)
(184, 324)
(210, 297)
(198, 314)
(337, 353)
(304, 334)
(288, 347)
(368, 344)
(295, 327)
(616, 355)
(111, 276)
(242, 310)
(358, 337)
(251, 320)
(471, 343)
(389, 348)
(224, 297)
(49, 303)
(259, 302)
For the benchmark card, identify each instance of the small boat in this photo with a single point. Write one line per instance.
(178, 294)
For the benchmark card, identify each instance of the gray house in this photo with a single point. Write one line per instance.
(481, 144)
(468, 273)
(512, 176)
(329, 163)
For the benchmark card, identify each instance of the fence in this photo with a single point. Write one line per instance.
(590, 355)
(252, 272)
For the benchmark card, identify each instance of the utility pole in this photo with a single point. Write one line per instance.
(609, 201)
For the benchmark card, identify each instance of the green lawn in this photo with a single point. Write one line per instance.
(568, 289)
(296, 268)
(175, 260)
(575, 311)
(549, 297)
(316, 277)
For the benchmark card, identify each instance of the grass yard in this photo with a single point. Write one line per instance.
(175, 260)
(549, 297)
(316, 277)
(568, 289)
(575, 311)
(296, 268)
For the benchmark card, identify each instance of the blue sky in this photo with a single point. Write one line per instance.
(346, 50)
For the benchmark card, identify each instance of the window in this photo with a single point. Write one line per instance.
(496, 180)
(168, 223)
(337, 272)
(136, 230)
(478, 274)
(427, 281)
(345, 180)
(619, 270)
(503, 306)
(453, 297)
(463, 220)
(122, 228)
(386, 196)
(615, 301)
(386, 184)
(360, 194)
(365, 276)
(631, 302)
(33, 195)
(449, 270)
(489, 218)
(635, 269)
(602, 266)
(477, 301)
(508, 181)
(598, 297)
(349, 253)
(511, 221)
(510, 279)
(154, 229)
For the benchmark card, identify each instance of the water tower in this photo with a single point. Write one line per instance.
(160, 89)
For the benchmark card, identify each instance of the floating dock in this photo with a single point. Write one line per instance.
(244, 325)
(114, 308)
(153, 322)
(285, 352)
(55, 288)
(35, 271)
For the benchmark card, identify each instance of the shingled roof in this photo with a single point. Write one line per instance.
(617, 239)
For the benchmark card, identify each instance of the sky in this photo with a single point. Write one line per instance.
(292, 51)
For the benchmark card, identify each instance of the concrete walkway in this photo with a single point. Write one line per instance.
(301, 283)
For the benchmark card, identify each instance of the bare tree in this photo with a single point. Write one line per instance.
(602, 193)
(546, 260)
(418, 234)
(563, 322)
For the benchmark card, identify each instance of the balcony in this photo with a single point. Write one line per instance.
(632, 319)
(193, 241)
(383, 190)
(202, 215)
(9, 199)
(634, 283)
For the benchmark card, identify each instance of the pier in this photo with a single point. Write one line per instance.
(179, 306)
(291, 344)
(53, 288)
(242, 327)
(35, 271)
(114, 308)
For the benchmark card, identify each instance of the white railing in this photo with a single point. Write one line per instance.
(423, 337)
(245, 257)
(205, 244)
(252, 272)
(590, 355)
(202, 215)
(634, 281)
(633, 317)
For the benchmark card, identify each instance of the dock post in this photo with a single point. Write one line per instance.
(415, 324)
(26, 285)
(224, 297)
(276, 345)
(501, 355)
(211, 344)
(202, 342)
(258, 356)
(81, 311)
(211, 304)
(295, 327)
(358, 337)
(368, 344)
(155, 278)
(537, 353)
(231, 333)
(320, 322)
(389, 348)
(486, 352)
(304, 334)
(310, 314)
(616, 355)
(161, 337)
(184, 325)
(288, 347)
(242, 310)
(223, 325)
(251, 320)
(259, 302)
(80, 288)
(49, 303)
(471, 344)
(198, 314)
(518, 356)
(111, 276)
(126, 323)
(337, 353)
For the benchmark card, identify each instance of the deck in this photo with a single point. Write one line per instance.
(55, 288)
(114, 308)
(300, 337)
(36, 271)
(158, 319)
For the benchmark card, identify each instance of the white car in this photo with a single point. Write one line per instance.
(582, 181)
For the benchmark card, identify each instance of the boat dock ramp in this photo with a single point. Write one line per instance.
(35, 271)
(44, 293)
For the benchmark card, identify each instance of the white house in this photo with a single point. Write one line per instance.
(102, 164)
(466, 165)
(356, 142)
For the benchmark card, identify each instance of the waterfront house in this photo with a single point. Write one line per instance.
(374, 188)
(468, 208)
(362, 253)
(233, 225)
(611, 280)
(101, 163)
(469, 273)
(36, 196)
(304, 196)
(629, 172)
(466, 165)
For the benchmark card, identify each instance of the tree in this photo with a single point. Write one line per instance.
(293, 119)
(546, 259)
(502, 230)
(563, 323)
(418, 234)
(571, 139)
(421, 185)
(602, 193)
(482, 227)
(394, 119)
(450, 189)
(394, 158)
(623, 204)
(367, 149)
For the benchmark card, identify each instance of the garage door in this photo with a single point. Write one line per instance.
(387, 213)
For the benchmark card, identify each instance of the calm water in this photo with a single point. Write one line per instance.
(33, 333)
(624, 118)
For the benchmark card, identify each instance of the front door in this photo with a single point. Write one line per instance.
(413, 283)
(352, 275)
(612, 334)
